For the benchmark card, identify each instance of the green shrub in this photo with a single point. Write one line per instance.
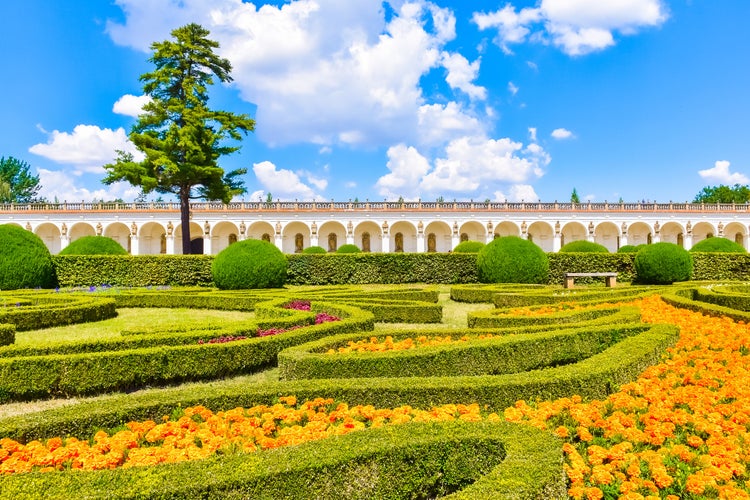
(469, 247)
(348, 248)
(510, 259)
(629, 248)
(584, 246)
(24, 260)
(663, 264)
(314, 249)
(717, 245)
(249, 264)
(94, 245)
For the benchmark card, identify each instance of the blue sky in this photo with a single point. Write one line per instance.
(501, 100)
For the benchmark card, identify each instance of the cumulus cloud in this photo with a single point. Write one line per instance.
(283, 183)
(517, 193)
(326, 71)
(130, 105)
(562, 133)
(577, 27)
(87, 148)
(63, 186)
(512, 88)
(720, 173)
(468, 165)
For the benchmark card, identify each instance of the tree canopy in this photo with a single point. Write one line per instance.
(574, 198)
(180, 136)
(17, 185)
(723, 194)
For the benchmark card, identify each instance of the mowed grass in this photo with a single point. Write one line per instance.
(454, 314)
(131, 319)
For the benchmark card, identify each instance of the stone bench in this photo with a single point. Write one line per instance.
(609, 278)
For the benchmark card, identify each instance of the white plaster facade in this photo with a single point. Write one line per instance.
(154, 228)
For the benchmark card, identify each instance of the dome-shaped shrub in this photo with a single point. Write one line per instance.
(584, 246)
(24, 260)
(629, 248)
(717, 245)
(348, 248)
(510, 259)
(469, 247)
(663, 264)
(94, 245)
(249, 264)
(314, 249)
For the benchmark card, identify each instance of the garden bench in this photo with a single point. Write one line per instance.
(610, 279)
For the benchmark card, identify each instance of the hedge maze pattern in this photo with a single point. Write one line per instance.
(538, 343)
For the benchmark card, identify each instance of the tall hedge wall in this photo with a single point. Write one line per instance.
(364, 268)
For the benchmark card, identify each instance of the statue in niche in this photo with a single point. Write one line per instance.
(464, 237)
(557, 227)
(657, 227)
(689, 228)
(206, 228)
(243, 228)
(350, 228)
(64, 229)
(455, 227)
(299, 243)
(431, 242)
(399, 242)
(523, 227)
(420, 227)
(489, 227)
(314, 228)
(385, 227)
(591, 227)
(624, 228)
(266, 237)
(170, 228)
(99, 228)
(365, 242)
(720, 227)
(332, 242)
(278, 228)
(232, 238)
(28, 226)
(133, 229)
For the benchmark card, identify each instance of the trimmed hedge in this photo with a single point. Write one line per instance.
(94, 245)
(561, 263)
(43, 310)
(583, 246)
(663, 264)
(505, 354)
(133, 270)
(314, 250)
(249, 264)
(348, 248)
(469, 247)
(479, 460)
(511, 259)
(25, 262)
(718, 245)
(503, 318)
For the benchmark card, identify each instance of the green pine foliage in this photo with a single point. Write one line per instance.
(25, 262)
(717, 245)
(469, 247)
(663, 264)
(249, 264)
(94, 245)
(315, 249)
(584, 246)
(511, 259)
(348, 248)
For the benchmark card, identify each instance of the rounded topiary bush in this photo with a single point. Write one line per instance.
(348, 248)
(584, 246)
(469, 247)
(24, 260)
(510, 259)
(94, 245)
(663, 264)
(717, 245)
(629, 248)
(249, 264)
(314, 249)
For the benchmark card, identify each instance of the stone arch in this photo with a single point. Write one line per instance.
(474, 231)
(703, 230)
(50, 235)
(152, 234)
(441, 236)
(120, 232)
(372, 231)
(464, 237)
(221, 235)
(507, 228)
(607, 234)
(542, 235)
(672, 232)
(736, 232)
(408, 237)
(639, 233)
(80, 229)
(332, 233)
(572, 231)
(256, 230)
(196, 238)
(290, 240)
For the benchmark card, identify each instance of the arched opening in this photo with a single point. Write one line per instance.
(738, 237)
(196, 246)
(464, 237)
(681, 240)
(266, 237)
(232, 238)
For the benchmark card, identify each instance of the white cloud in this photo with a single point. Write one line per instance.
(720, 173)
(64, 186)
(130, 105)
(517, 193)
(467, 165)
(438, 123)
(532, 134)
(326, 71)
(577, 27)
(350, 185)
(512, 88)
(284, 184)
(318, 182)
(461, 73)
(562, 133)
(87, 148)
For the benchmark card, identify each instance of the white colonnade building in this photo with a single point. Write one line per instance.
(154, 228)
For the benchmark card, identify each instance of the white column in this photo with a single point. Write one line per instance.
(170, 244)
(455, 240)
(386, 243)
(133, 244)
(656, 238)
(687, 241)
(420, 242)
(556, 243)
(64, 241)
(314, 240)
(349, 239)
(206, 244)
(279, 242)
(623, 239)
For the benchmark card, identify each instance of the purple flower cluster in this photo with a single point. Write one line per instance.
(221, 340)
(300, 305)
(321, 317)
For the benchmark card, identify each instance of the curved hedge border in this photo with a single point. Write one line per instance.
(503, 318)
(41, 309)
(503, 461)
(521, 352)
